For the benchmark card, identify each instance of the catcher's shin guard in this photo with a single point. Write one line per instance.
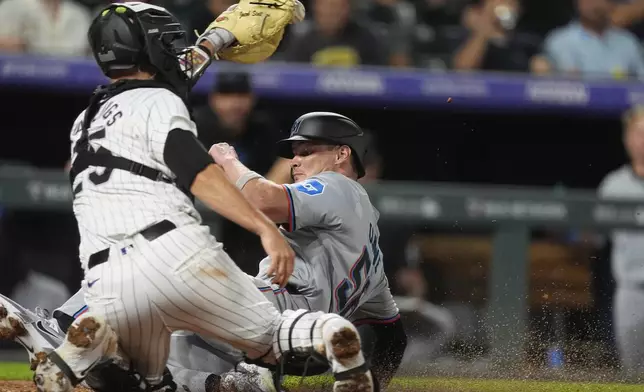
(89, 341)
(321, 337)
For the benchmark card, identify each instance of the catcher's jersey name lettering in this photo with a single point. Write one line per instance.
(110, 113)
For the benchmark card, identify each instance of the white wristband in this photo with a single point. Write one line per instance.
(244, 178)
(219, 38)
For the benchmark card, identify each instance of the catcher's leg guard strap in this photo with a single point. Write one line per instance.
(62, 365)
(348, 374)
(298, 336)
(306, 337)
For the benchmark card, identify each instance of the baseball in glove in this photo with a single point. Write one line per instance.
(258, 28)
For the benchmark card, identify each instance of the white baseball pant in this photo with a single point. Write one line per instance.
(183, 280)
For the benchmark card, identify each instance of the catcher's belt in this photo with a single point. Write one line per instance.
(151, 233)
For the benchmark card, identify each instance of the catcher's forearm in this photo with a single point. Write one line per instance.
(213, 189)
(201, 55)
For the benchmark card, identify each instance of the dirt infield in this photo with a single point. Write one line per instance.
(24, 386)
(28, 386)
(436, 385)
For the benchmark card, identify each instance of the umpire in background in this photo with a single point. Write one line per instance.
(230, 117)
(627, 254)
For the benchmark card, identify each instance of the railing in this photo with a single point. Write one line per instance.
(376, 87)
(509, 211)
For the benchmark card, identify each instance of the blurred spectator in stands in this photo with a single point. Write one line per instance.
(440, 12)
(629, 14)
(492, 40)
(197, 15)
(435, 18)
(626, 13)
(52, 27)
(394, 21)
(627, 253)
(184, 10)
(230, 117)
(591, 46)
(334, 38)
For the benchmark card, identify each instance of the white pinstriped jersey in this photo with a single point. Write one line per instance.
(115, 204)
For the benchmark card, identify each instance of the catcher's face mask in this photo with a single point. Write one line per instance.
(166, 43)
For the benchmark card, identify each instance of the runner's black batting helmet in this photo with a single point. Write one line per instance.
(136, 36)
(330, 128)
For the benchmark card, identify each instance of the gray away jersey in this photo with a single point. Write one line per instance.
(627, 256)
(115, 204)
(333, 228)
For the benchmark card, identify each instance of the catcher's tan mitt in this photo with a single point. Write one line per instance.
(258, 27)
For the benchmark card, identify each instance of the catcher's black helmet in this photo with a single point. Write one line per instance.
(331, 128)
(140, 36)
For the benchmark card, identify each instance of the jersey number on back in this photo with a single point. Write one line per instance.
(94, 177)
(349, 292)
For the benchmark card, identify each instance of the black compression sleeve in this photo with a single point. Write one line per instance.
(185, 156)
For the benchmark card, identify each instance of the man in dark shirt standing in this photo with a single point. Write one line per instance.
(334, 38)
(230, 117)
